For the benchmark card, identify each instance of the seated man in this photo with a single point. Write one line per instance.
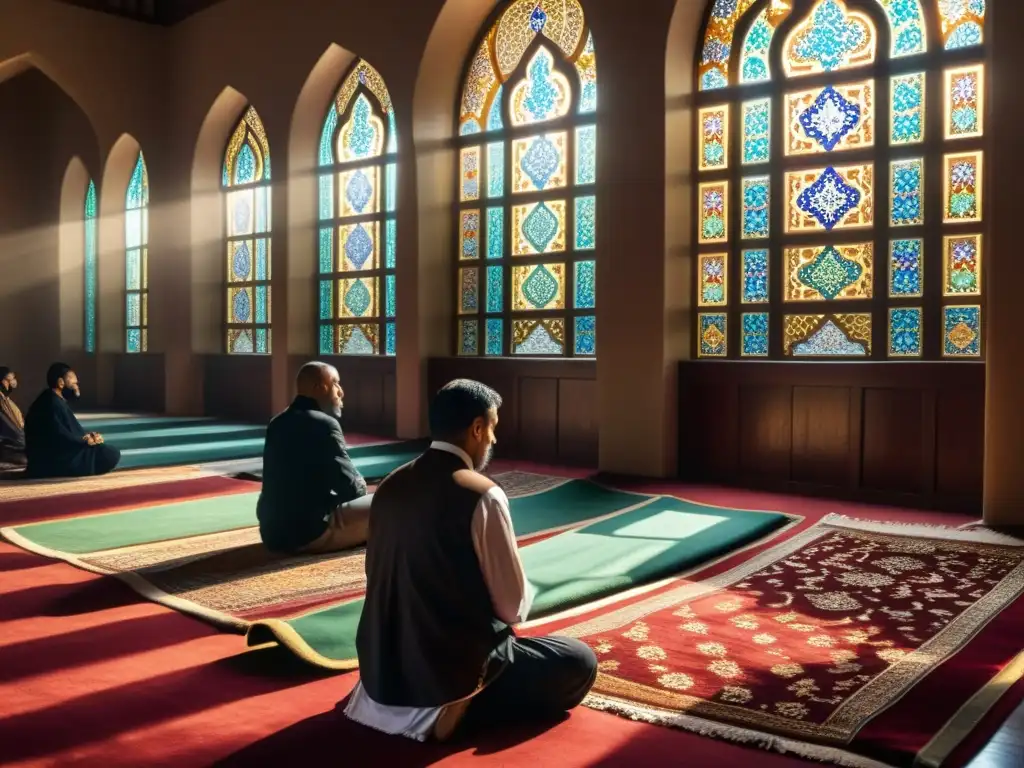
(313, 498)
(443, 583)
(55, 443)
(12, 423)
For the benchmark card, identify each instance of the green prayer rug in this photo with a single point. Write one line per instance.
(660, 537)
(204, 557)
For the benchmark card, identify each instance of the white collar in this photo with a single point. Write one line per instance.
(439, 445)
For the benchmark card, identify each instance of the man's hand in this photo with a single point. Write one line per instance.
(94, 438)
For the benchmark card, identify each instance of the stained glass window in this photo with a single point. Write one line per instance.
(246, 182)
(527, 244)
(136, 268)
(839, 162)
(90, 247)
(357, 183)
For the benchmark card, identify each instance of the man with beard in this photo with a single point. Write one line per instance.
(313, 500)
(55, 442)
(12, 423)
(444, 582)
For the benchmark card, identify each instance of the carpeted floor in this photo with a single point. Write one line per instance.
(76, 688)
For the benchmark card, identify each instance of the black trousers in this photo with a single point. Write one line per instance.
(546, 677)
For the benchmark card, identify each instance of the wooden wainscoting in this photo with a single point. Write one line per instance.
(369, 384)
(238, 387)
(897, 433)
(140, 383)
(549, 413)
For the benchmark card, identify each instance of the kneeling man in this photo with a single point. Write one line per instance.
(55, 443)
(444, 582)
(313, 499)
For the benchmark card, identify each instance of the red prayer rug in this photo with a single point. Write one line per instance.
(855, 643)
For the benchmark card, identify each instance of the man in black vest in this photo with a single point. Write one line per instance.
(313, 498)
(444, 582)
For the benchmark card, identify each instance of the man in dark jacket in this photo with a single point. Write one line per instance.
(55, 442)
(444, 584)
(313, 498)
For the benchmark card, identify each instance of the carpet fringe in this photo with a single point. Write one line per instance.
(733, 733)
(924, 530)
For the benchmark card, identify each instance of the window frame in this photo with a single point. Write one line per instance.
(570, 257)
(226, 191)
(382, 216)
(934, 62)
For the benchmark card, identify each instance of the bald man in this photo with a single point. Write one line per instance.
(313, 500)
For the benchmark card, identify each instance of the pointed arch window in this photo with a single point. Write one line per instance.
(527, 136)
(246, 183)
(357, 178)
(839, 156)
(136, 271)
(91, 222)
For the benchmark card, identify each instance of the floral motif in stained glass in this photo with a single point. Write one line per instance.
(906, 268)
(961, 265)
(965, 101)
(962, 187)
(757, 131)
(905, 332)
(755, 334)
(755, 276)
(906, 179)
(907, 112)
(816, 273)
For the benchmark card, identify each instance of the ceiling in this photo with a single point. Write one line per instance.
(162, 12)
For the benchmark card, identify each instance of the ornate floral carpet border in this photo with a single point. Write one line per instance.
(19, 489)
(852, 642)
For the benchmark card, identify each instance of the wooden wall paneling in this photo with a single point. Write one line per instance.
(894, 436)
(538, 418)
(140, 383)
(765, 432)
(894, 433)
(577, 420)
(821, 435)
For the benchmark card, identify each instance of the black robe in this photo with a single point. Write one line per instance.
(55, 442)
(12, 436)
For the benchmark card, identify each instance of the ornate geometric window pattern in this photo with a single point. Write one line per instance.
(358, 176)
(136, 268)
(90, 221)
(839, 192)
(525, 282)
(246, 182)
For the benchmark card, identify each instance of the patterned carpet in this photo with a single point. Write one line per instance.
(807, 646)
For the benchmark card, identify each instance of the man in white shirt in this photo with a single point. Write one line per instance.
(444, 585)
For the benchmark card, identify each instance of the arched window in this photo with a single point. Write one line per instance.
(358, 190)
(90, 221)
(839, 201)
(136, 265)
(246, 180)
(525, 282)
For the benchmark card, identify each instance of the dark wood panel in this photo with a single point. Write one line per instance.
(821, 435)
(140, 383)
(960, 442)
(543, 417)
(765, 431)
(894, 433)
(577, 419)
(538, 418)
(237, 387)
